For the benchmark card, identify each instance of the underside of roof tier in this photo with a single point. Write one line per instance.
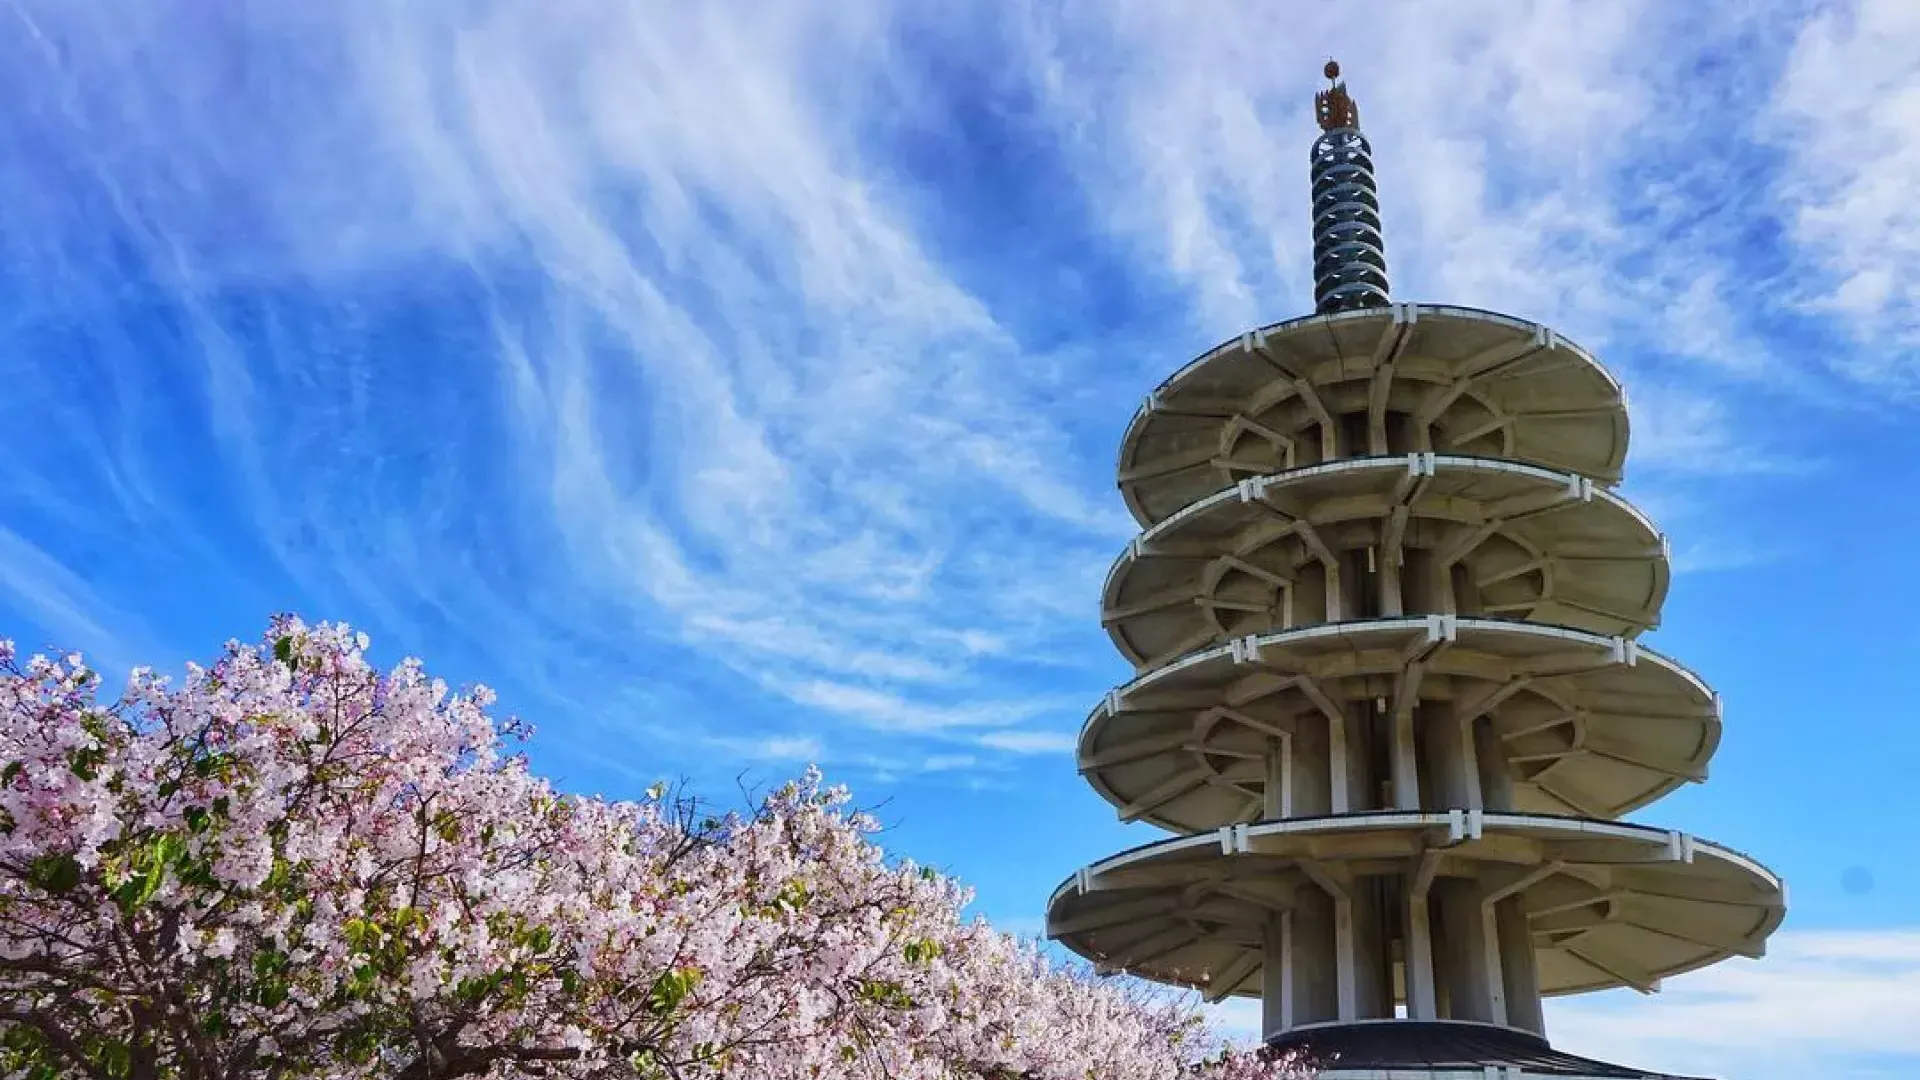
(1407, 377)
(1522, 541)
(1607, 904)
(1590, 725)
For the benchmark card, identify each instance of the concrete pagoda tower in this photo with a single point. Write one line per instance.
(1390, 701)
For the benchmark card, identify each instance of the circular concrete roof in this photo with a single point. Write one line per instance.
(1490, 385)
(1545, 546)
(1593, 725)
(1609, 904)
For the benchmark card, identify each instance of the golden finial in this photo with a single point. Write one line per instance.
(1332, 107)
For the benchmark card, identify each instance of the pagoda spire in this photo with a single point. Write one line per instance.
(1349, 256)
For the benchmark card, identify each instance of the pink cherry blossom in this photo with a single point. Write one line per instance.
(293, 865)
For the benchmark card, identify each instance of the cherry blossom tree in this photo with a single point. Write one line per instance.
(292, 864)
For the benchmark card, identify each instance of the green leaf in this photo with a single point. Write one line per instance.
(54, 873)
(13, 769)
(884, 992)
(167, 850)
(283, 650)
(83, 761)
(670, 989)
(111, 1056)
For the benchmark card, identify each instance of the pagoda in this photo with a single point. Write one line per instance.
(1390, 700)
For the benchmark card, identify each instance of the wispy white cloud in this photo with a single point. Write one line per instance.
(1845, 116)
(890, 712)
(1030, 742)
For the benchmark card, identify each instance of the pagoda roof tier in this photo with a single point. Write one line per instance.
(1537, 544)
(1607, 904)
(1590, 725)
(1391, 379)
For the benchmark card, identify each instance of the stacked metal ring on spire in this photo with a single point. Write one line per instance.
(1349, 257)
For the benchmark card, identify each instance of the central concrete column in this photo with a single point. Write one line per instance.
(1372, 957)
(1496, 772)
(1519, 968)
(1467, 956)
(1404, 760)
(1277, 976)
(1312, 777)
(1313, 963)
(1449, 760)
(1350, 759)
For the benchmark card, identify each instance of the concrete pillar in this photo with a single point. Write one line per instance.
(1393, 598)
(1423, 1002)
(1405, 762)
(1336, 591)
(1278, 791)
(1466, 594)
(1496, 772)
(1425, 587)
(1353, 768)
(1346, 957)
(1464, 948)
(1314, 967)
(1349, 762)
(1277, 976)
(1519, 970)
(1449, 760)
(1372, 951)
(1312, 774)
(1309, 596)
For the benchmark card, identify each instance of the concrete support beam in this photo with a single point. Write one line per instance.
(1346, 968)
(1423, 1002)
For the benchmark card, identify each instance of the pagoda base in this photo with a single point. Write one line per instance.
(1443, 1050)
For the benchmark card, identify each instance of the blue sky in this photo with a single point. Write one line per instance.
(737, 386)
